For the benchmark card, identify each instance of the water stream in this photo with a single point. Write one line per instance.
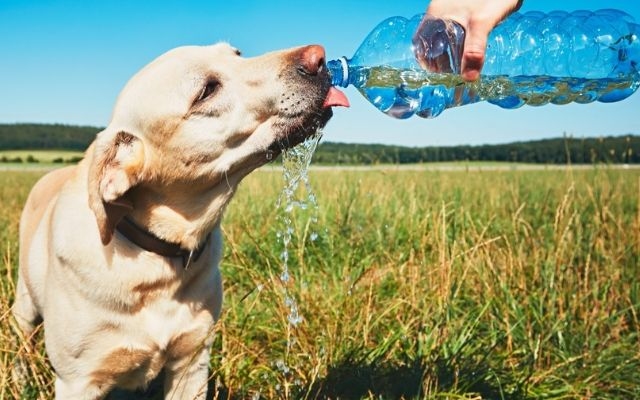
(297, 198)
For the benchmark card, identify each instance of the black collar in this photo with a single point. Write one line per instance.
(149, 242)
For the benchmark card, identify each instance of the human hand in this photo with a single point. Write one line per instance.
(478, 18)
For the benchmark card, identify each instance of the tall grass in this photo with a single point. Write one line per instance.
(14, 188)
(461, 285)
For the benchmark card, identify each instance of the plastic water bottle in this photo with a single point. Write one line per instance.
(404, 67)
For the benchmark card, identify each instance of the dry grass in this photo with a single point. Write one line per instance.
(462, 285)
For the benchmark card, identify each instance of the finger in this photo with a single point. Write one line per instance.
(475, 46)
(472, 61)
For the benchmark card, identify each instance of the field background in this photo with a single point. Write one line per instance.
(507, 284)
(44, 156)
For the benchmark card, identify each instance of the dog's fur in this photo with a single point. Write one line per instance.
(184, 131)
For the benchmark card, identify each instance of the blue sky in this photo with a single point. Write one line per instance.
(64, 61)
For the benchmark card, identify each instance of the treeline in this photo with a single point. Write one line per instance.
(46, 136)
(610, 149)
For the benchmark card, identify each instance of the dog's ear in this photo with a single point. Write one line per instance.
(116, 167)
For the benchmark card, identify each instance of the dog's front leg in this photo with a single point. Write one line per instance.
(187, 379)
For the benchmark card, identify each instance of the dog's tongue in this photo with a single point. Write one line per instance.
(335, 98)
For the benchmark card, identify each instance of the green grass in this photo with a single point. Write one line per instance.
(421, 285)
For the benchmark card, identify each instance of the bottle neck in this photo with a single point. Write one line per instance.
(339, 72)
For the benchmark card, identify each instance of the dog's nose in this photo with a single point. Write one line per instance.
(311, 60)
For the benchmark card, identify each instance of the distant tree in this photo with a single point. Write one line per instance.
(73, 160)
(567, 149)
(46, 136)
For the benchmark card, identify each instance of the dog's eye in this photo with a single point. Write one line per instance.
(209, 89)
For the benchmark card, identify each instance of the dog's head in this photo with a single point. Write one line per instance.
(190, 125)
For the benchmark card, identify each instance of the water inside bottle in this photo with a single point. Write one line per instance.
(402, 93)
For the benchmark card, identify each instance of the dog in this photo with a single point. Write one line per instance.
(119, 254)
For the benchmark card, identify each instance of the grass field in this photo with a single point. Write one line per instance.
(420, 285)
(42, 156)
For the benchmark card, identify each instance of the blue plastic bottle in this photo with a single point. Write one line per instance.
(404, 67)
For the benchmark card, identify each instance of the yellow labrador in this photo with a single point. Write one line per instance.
(119, 254)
